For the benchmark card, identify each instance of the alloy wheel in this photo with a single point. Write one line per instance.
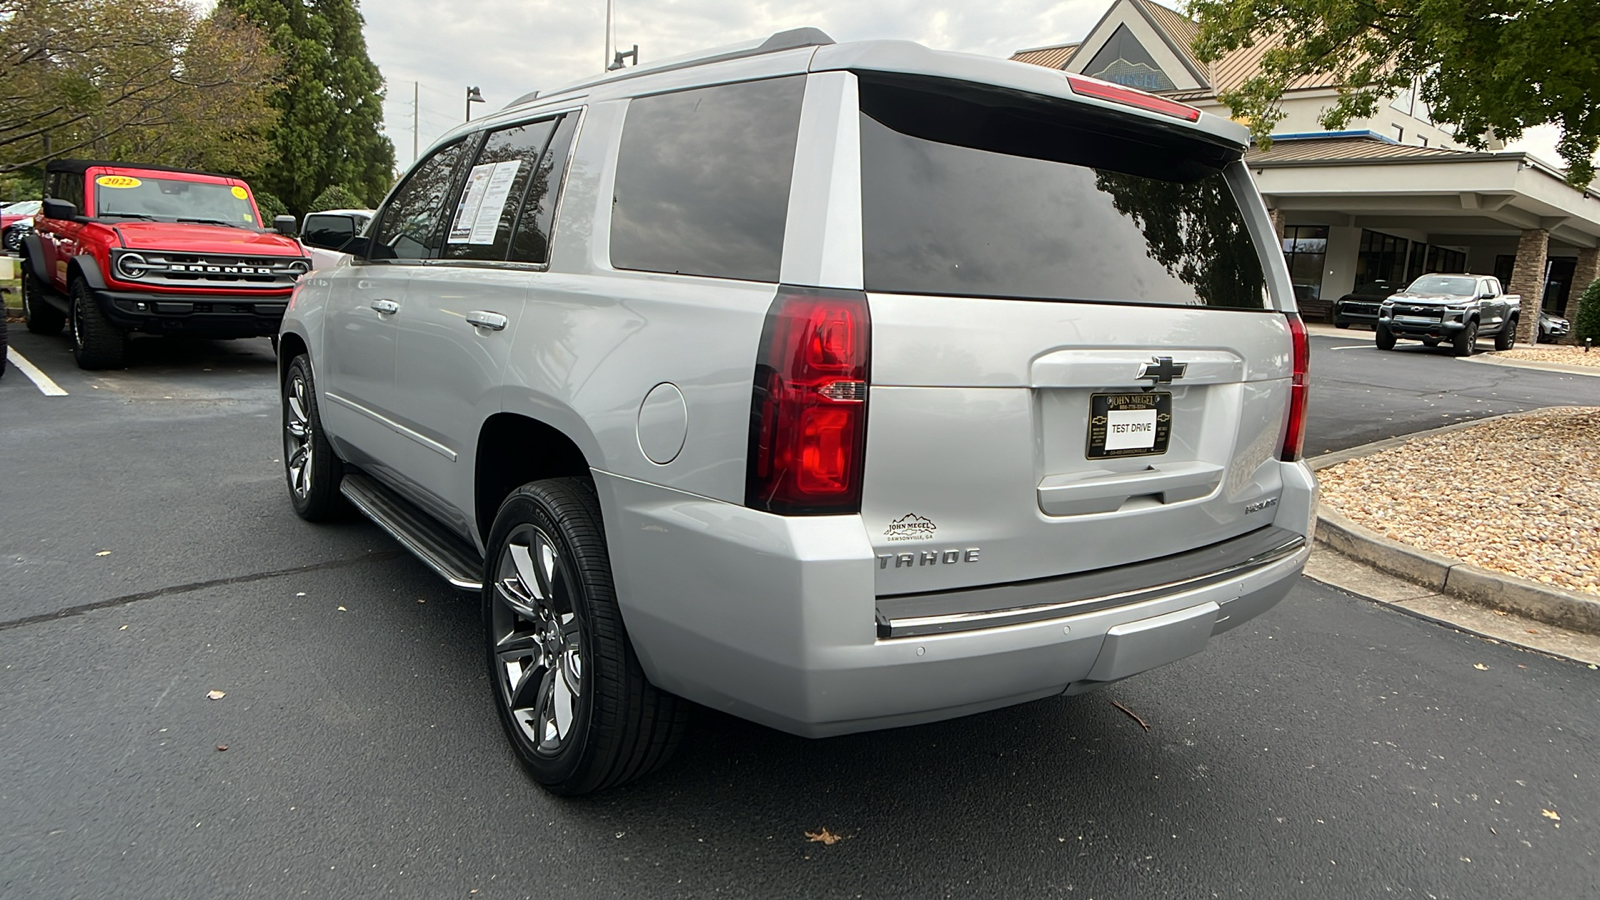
(537, 639)
(297, 435)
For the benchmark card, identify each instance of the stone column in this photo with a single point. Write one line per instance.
(1279, 222)
(1527, 279)
(1584, 274)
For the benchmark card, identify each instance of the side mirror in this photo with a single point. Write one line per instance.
(59, 209)
(1485, 296)
(284, 225)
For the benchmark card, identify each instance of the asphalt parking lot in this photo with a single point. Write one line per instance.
(1331, 748)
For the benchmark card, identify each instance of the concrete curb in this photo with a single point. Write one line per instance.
(1496, 590)
(1589, 371)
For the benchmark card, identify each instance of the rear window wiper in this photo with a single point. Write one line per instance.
(210, 222)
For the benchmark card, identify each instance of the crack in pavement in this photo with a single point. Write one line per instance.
(125, 599)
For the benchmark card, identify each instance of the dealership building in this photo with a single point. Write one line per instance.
(1391, 197)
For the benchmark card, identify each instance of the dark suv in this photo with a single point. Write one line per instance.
(122, 248)
(1360, 306)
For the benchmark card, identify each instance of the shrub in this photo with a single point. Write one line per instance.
(336, 196)
(1587, 323)
(271, 207)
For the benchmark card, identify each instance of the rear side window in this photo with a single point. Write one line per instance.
(980, 193)
(531, 241)
(487, 211)
(411, 227)
(703, 180)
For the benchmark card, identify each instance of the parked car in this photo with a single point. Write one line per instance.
(778, 381)
(124, 248)
(328, 233)
(16, 220)
(1360, 306)
(1454, 308)
(1552, 327)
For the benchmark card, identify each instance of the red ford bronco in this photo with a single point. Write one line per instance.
(123, 248)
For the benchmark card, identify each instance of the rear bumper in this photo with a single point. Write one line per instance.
(207, 315)
(775, 619)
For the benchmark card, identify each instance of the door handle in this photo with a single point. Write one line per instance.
(386, 307)
(479, 318)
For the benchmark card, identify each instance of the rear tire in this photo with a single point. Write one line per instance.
(1466, 340)
(1507, 338)
(96, 343)
(13, 238)
(1385, 337)
(40, 316)
(568, 688)
(309, 463)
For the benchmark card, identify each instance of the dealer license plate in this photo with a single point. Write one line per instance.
(1417, 320)
(1129, 424)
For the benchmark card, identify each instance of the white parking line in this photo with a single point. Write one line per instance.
(46, 386)
(1354, 347)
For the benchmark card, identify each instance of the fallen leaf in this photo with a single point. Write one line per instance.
(222, 747)
(1480, 667)
(342, 609)
(1551, 814)
(1501, 612)
(1533, 631)
(824, 836)
(422, 601)
(103, 553)
(215, 695)
(123, 628)
(299, 593)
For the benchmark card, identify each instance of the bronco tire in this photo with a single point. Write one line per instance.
(96, 343)
(1466, 340)
(40, 316)
(309, 463)
(567, 685)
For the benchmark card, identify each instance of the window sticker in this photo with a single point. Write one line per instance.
(482, 203)
(240, 193)
(118, 181)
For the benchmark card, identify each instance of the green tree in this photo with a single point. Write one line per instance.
(330, 100)
(1484, 66)
(269, 206)
(337, 196)
(144, 80)
(1586, 324)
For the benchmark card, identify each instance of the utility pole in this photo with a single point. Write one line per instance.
(415, 111)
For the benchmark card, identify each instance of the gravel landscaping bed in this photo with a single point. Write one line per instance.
(1554, 353)
(1519, 495)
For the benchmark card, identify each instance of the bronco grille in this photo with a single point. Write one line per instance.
(196, 270)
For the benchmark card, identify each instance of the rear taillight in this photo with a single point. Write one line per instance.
(1116, 93)
(1294, 431)
(808, 416)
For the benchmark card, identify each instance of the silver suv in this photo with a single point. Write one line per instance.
(838, 387)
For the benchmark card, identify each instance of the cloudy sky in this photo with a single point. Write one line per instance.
(508, 48)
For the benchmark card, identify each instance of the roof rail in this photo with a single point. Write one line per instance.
(793, 39)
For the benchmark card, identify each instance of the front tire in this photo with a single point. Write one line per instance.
(309, 463)
(96, 343)
(568, 688)
(1385, 337)
(1507, 338)
(1466, 340)
(40, 316)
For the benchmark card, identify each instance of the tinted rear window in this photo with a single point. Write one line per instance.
(703, 180)
(972, 192)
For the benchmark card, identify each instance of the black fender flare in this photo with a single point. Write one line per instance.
(33, 258)
(86, 268)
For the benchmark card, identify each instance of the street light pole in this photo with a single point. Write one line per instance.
(473, 96)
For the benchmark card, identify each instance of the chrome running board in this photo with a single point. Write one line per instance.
(445, 553)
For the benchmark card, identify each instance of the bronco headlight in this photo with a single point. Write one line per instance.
(131, 266)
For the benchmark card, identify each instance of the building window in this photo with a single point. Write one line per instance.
(1382, 258)
(1399, 133)
(1443, 259)
(1305, 248)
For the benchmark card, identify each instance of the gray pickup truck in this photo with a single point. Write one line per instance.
(1454, 308)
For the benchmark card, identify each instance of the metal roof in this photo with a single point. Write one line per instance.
(1055, 57)
(1344, 149)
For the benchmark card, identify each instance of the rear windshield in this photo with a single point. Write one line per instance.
(172, 199)
(977, 192)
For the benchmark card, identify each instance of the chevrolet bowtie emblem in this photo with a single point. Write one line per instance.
(1161, 369)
